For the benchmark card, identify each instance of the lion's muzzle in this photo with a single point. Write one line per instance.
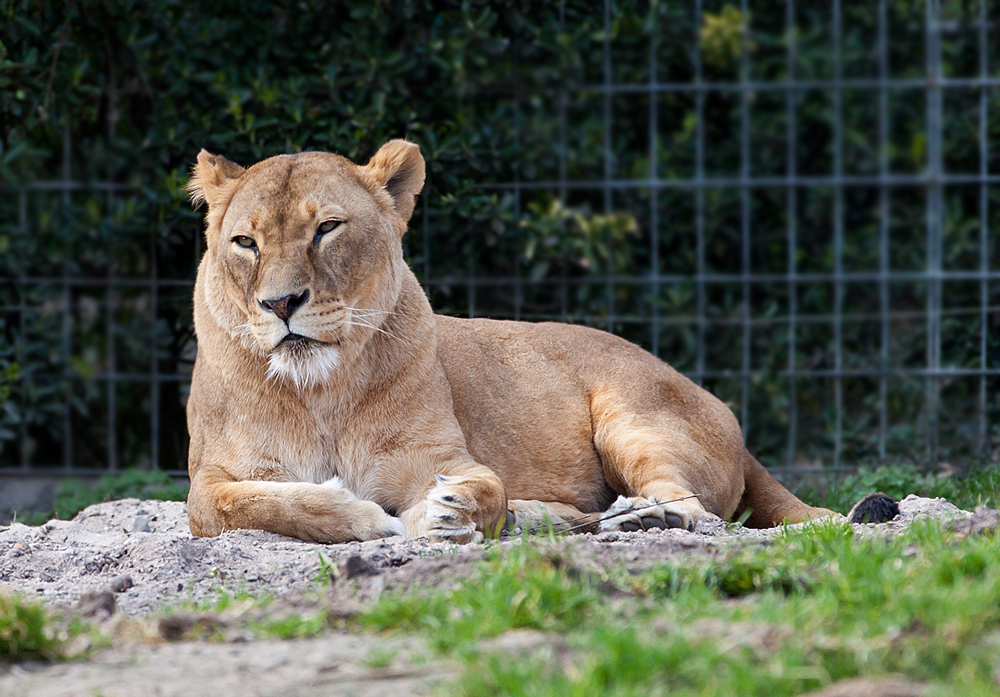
(284, 307)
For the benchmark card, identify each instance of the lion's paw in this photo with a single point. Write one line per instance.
(448, 513)
(639, 513)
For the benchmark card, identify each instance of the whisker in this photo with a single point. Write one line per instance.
(370, 326)
(368, 310)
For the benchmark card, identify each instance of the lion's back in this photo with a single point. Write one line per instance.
(527, 396)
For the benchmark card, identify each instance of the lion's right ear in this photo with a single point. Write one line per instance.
(213, 178)
(398, 167)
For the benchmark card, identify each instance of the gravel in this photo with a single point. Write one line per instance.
(134, 558)
(143, 552)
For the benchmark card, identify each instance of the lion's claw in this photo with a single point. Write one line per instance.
(446, 515)
(638, 513)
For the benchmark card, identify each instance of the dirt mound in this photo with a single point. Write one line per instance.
(144, 553)
(133, 557)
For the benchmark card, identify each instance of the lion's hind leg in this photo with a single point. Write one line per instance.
(541, 516)
(664, 477)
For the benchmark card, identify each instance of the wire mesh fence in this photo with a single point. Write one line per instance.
(792, 203)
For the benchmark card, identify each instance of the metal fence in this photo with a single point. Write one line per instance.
(832, 345)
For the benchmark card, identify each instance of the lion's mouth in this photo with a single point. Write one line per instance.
(295, 340)
(297, 343)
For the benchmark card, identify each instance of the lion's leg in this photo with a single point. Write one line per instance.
(539, 515)
(313, 512)
(462, 502)
(663, 478)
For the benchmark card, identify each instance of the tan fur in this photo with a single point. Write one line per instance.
(446, 423)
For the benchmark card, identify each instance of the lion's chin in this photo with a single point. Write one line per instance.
(303, 363)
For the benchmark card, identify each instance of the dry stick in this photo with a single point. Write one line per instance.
(537, 528)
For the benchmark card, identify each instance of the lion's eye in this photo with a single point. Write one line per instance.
(327, 226)
(245, 242)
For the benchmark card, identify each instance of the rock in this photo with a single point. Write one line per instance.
(343, 609)
(983, 521)
(356, 565)
(914, 506)
(120, 584)
(176, 627)
(99, 606)
(141, 524)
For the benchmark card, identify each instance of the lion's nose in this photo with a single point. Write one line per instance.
(285, 307)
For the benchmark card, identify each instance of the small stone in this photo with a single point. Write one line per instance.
(865, 687)
(120, 584)
(176, 627)
(356, 565)
(141, 524)
(100, 605)
(344, 609)
(983, 521)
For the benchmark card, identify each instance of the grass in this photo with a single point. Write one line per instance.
(29, 630)
(73, 495)
(811, 608)
(975, 487)
(815, 607)
(522, 589)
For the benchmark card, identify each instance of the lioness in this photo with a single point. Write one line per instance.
(328, 398)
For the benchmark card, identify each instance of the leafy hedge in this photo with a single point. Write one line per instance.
(494, 92)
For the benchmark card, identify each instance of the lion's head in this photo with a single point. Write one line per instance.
(304, 258)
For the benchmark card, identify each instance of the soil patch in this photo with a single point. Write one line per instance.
(143, 552)
(134, 557)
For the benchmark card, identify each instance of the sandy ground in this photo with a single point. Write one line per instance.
(134, 557)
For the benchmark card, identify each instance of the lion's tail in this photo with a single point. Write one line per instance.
(772, 504)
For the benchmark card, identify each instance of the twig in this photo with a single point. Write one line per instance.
(600, 520)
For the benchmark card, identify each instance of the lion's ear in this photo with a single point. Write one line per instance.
(399, 167)
(212, 179)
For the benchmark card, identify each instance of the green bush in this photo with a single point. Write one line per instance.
(73, 495)
(495, 92)
(27, 630)
(978, 487)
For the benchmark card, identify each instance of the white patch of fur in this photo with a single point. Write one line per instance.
(338, 483)
(396, 526)
(304, 369)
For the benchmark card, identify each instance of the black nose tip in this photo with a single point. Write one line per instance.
(285, 307)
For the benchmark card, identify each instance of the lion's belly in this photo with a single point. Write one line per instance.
(524, 417)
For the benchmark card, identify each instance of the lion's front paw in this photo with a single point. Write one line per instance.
(448, 513)
(638, 513)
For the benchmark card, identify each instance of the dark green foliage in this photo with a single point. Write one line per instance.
(740, 575)
(127, 92)
(73, 495)
(979, 487)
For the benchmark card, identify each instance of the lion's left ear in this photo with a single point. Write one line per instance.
(213, 178)
(399, 167)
